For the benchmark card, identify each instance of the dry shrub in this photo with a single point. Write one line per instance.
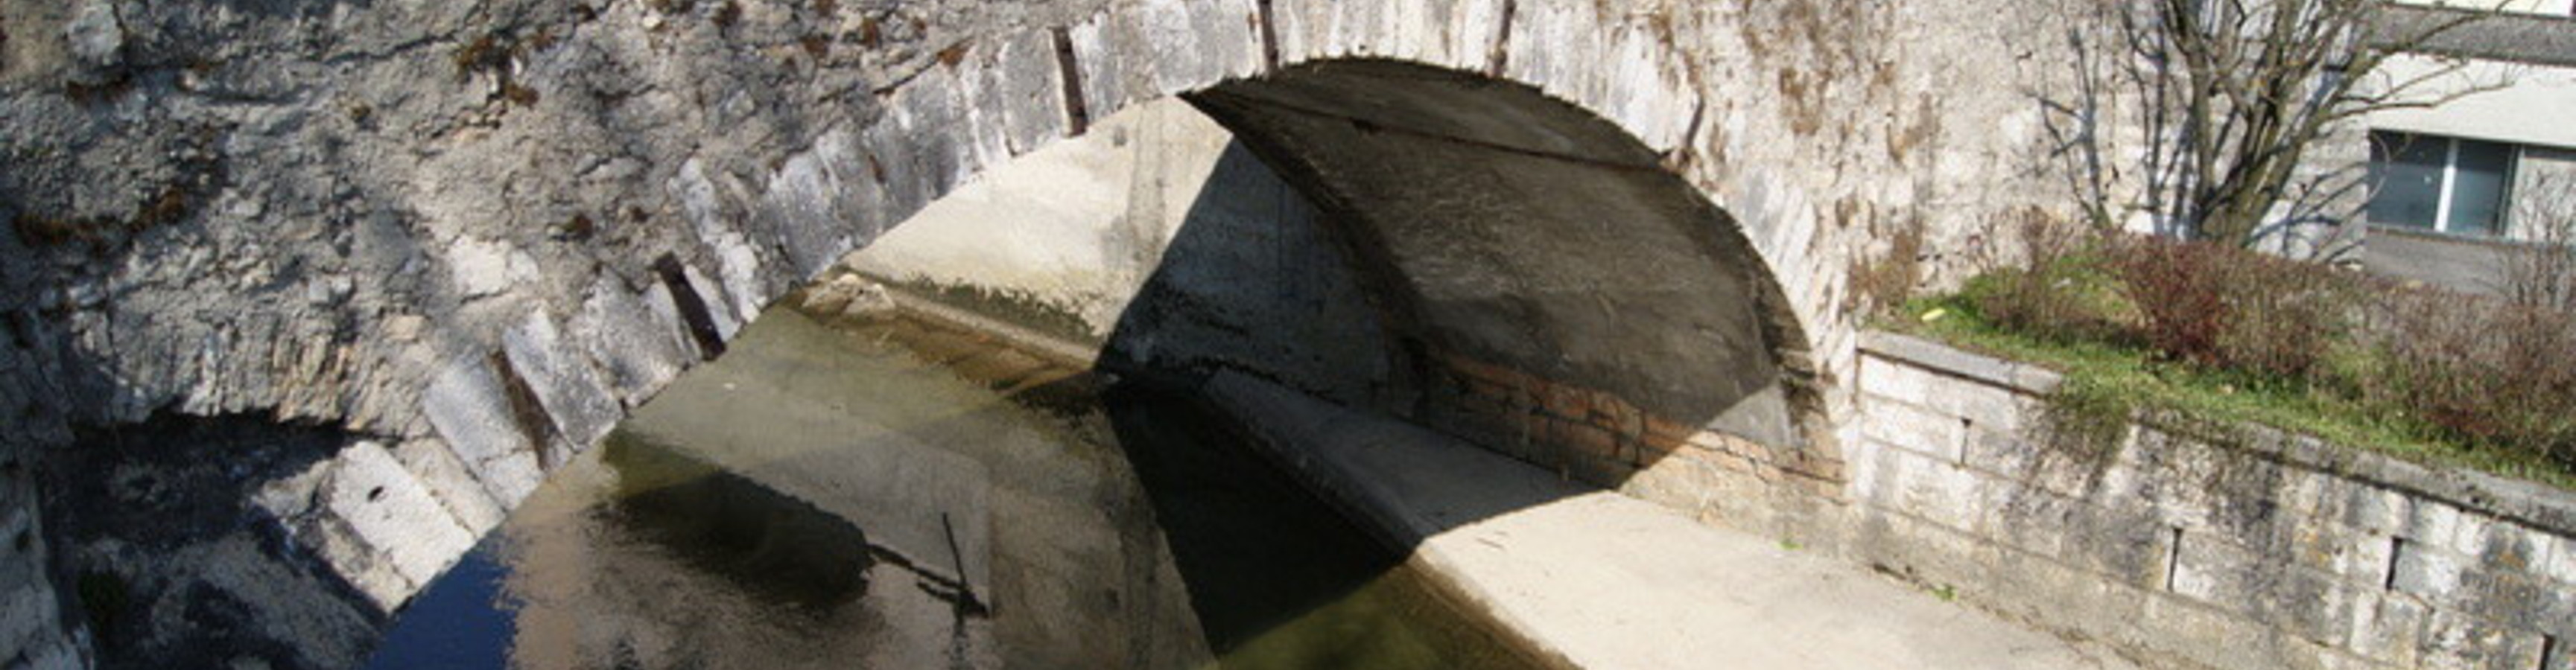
(2054, 293)
(2543, 276)
(2224, 307)
(2497, 374)
(2493, 373)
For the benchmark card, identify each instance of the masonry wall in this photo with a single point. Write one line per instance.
(2196, 546)
(1601, 438)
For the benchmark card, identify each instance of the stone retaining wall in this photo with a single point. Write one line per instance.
(1597, 437)
(2230, 548)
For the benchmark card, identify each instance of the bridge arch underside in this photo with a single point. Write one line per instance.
(1553, 289)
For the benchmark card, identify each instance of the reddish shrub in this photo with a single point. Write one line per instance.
(2225, 307)
(2180, 290)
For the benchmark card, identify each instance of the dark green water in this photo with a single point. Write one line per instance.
(892, 495)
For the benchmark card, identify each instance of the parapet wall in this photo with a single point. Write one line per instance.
(2193, 546)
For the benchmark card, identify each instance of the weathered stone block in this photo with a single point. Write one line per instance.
(2501, 544)
(1022, 82)
(447, 478)
(1899, 381)
(1154, 48)
(1567, 400)
(2218, 638)
(1920, 551)
(1614, 64)
(1459, 34)
(2388, 628)
(638, 340)
(2560, 562)
(566, 385)
(393, 513)
(2460, 584)
(2265, 589)
(2123, 546)
(1586, 439)
(1980, 404)
(1918, 486)
(804, 202)
(2022, 457)
(2452, 640)
(1915, 351)
(466, 406)
(1914, 428)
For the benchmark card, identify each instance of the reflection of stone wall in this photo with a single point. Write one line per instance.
(976, 481)
(708, 569)
(161, 534)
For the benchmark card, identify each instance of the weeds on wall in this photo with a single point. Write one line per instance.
(1888, 279)
(2210, 331)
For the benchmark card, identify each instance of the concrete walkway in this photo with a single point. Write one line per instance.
(1606, 581)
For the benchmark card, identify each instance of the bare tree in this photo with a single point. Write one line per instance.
(2226, 98)
(2543, 274)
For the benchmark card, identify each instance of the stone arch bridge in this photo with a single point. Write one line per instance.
(471, 236)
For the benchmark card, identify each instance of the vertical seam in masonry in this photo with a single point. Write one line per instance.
(526, 409)
(2396, 552)
(1680, 157)
(1269, 36)
(2173, 558)
(1077, 114)
(693, 308)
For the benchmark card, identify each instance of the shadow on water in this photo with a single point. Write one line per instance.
(1279, 579)
(777, 548)
(157, 532)
(1130, 528)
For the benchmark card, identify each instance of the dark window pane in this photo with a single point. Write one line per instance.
(2478, 187)
(2405, 178)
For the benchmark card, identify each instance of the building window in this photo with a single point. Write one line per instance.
(2441, 184)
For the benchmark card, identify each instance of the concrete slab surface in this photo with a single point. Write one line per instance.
(1606, 581)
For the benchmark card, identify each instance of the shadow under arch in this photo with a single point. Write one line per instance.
(1548, 287)
(1540, 283)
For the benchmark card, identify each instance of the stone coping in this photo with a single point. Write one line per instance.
(2534, 39)
(2533, 503)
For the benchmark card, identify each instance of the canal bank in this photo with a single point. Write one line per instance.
(1594, 579)
(1572, 575)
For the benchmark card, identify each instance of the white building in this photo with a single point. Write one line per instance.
(2457, 188)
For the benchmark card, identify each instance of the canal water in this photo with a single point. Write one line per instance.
(890, 494)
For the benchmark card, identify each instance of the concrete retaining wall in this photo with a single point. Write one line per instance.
(2238, 548)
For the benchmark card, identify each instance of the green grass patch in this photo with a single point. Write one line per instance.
(2107, 381)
